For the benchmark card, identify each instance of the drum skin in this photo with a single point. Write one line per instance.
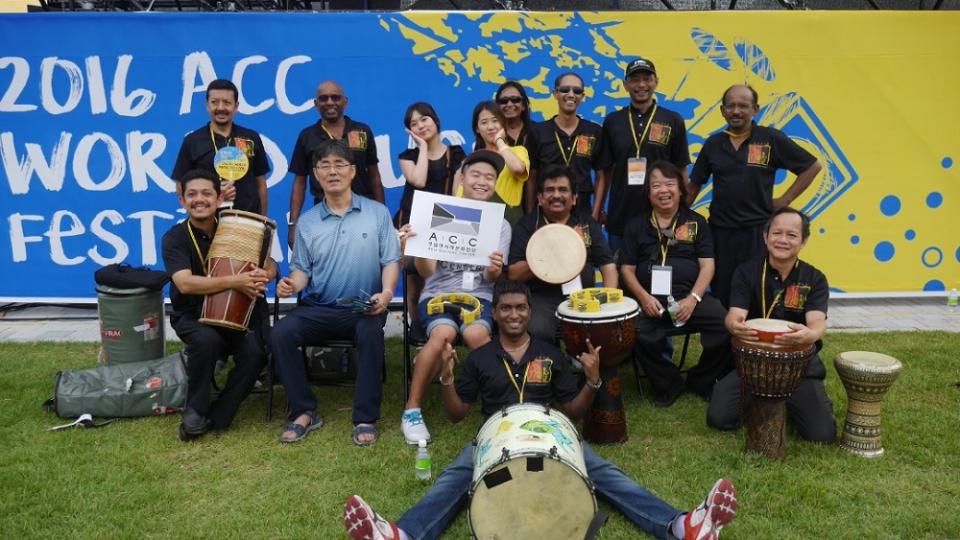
(556, 253)
(524, 454)
(866, 376)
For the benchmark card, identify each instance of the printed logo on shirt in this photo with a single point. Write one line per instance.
(584, 145)
(244, 145)
(540, 370)
(686, 233)
(584, 233)
(357, 140)
(796, 296)
(659, 133)
(758, 154)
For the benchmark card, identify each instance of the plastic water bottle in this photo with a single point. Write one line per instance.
(423, 466)
(673, 308)
(952, 300)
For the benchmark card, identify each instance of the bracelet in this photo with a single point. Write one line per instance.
(697, 296)
(595, 386)
(446, 383)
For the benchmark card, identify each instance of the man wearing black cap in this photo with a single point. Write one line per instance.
(633, 138)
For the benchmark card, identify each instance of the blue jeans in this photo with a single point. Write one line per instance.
(312, 324)
(432, 514)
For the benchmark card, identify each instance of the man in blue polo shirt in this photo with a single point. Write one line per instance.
(344, 261)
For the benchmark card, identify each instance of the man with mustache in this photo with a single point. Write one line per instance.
(233, 152)
(743, 161)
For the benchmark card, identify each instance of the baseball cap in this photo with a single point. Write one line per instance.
(486, 156)
(639, 64)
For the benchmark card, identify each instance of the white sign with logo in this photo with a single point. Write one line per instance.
(454, 229)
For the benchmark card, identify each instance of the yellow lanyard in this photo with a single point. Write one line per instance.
(566, 158)
(511, 377)
(196, 246)
(633, 131)
(663, 245)
(763, 292)
(332, 138)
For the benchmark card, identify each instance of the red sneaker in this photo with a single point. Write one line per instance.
(718, 509)
(363, 523)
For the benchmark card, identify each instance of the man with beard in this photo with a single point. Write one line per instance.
(234, 152)
(331, 103)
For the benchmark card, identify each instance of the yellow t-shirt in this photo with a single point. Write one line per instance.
(509, 188)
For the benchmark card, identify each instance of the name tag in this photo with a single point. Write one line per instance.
(469, 281)
(636, 171)
(660, 280)
(571, 286)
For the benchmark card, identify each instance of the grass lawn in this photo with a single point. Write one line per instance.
(135, 479)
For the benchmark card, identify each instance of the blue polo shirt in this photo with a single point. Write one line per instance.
(344, 255)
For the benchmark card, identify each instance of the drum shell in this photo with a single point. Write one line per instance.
(771, 371)
(866, 383)
(228, 308)
(615, 334)
(521, 453)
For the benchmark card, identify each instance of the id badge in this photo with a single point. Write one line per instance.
(571, 286)
(660, 280)
(469, 281)
(636, 171)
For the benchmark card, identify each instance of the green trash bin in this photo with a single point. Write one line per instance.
(131, 324)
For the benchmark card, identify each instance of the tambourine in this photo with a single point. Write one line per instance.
(589, 300)
(465, 306)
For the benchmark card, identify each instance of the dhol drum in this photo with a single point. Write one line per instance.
(556, 253)
(867, 376)
(241, 244)
(607, 319)
(770, 373)
(523, 453)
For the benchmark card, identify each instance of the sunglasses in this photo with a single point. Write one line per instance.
(578, 90)
(511, 99)
(328, 97)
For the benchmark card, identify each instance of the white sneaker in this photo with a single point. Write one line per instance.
(363, 523)
(413, 428)
(718, 509)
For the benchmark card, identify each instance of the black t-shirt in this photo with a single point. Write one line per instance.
(580, 150)
(359, 138)
(483, 375)
(598, 251)
(179, 253)
(805, 289)
(666, 139)
(196, 152)
(440, 175)
(743, 179)
(692, 241)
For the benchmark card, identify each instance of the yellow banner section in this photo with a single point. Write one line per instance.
(872, 94)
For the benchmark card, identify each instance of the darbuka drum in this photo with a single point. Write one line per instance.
(526, 455)
(770, 373)
(867, 376)
(556, 253)
(240, 245)
(607, 319)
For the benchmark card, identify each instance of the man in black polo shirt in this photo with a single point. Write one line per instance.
(556, 197)
(233, 152)
(633, 138)
(515, 367)
(185, 250)
(743, 161)
(781, 286)
(569, 140)
(331, 102)
(668, 251)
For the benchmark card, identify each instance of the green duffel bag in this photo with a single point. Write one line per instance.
(147, 388)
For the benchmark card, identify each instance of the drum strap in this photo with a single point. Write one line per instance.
(598, 521)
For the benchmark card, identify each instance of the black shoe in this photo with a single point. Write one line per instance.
(668, 398)
(193, 425)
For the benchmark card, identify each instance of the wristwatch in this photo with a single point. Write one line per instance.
(697, 296)
(595, 386)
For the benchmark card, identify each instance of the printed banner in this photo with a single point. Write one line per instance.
(454, 229)
(93, 109)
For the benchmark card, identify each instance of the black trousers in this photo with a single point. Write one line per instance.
(809, 409)
(543, 319)
(716, 360)
(731, 248)
(204, 345)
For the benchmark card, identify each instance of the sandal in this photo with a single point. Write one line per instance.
(365, 429)
(301, 431)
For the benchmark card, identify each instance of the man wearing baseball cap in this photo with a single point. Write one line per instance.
(633, 138)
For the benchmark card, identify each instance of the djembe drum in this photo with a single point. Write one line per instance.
(241, 244)
(770, 373)
(607, 319)
(866, 376)
(556, 253)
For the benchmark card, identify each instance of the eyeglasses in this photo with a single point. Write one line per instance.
(340, 166)
(567, 89)
(335, 98)
(511, 99)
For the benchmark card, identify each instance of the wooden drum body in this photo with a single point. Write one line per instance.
(525, 454)
(770, 373)
(866, 376)
(613, 327)
(241, 244)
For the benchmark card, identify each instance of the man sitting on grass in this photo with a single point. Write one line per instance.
(488, 374)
